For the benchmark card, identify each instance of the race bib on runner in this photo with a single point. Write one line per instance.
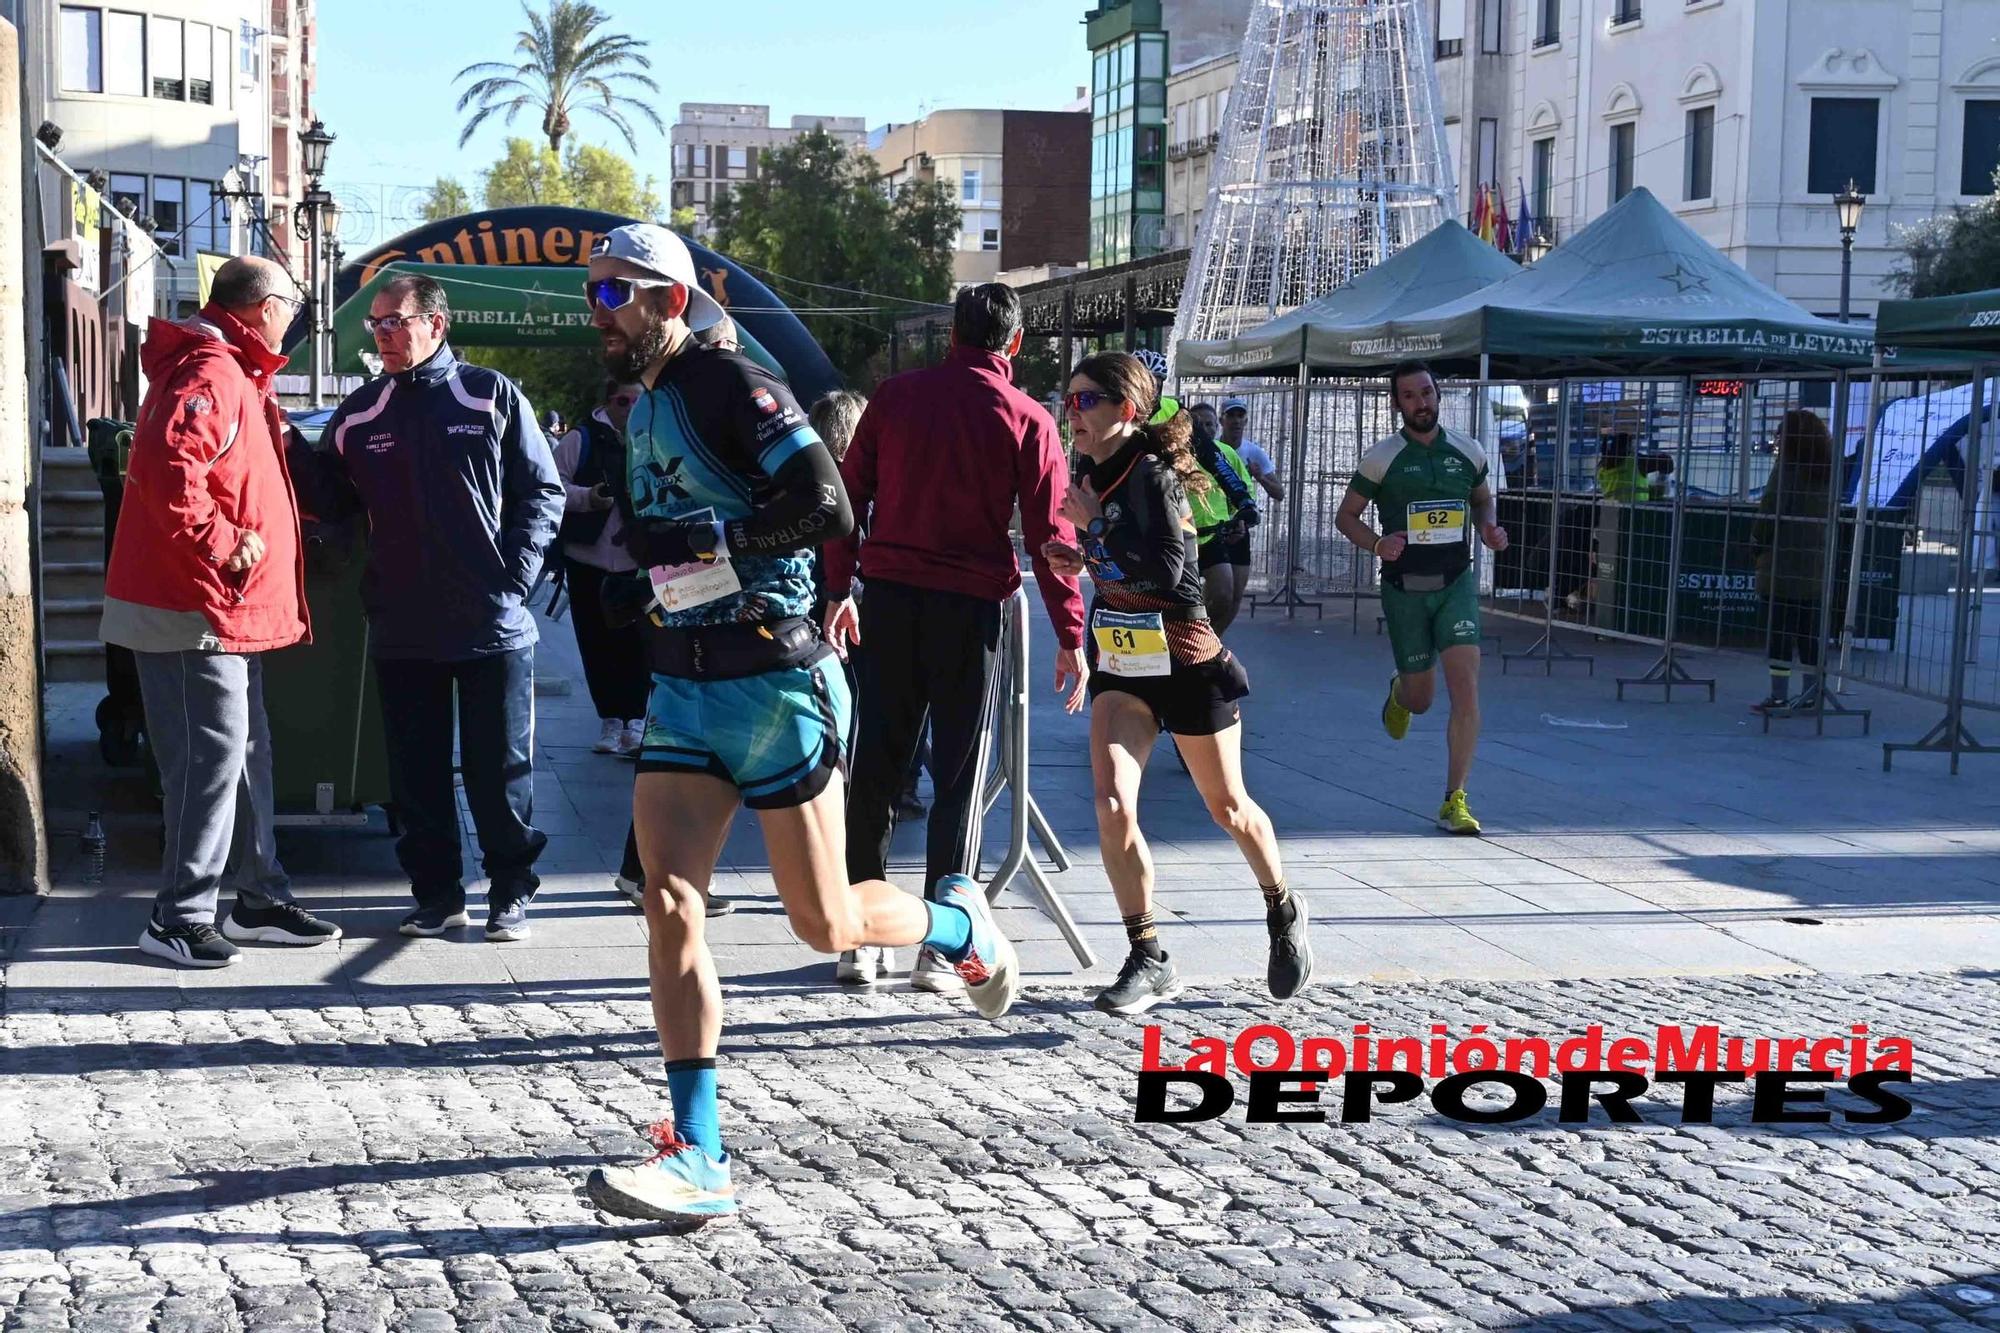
(684, 587)
(1131, 643)
(1436, 522)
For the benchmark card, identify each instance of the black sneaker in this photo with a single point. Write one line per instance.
(1291, 966)
(1142, 983)
(427, 922)
(507, 919)
(280, 923)
(199, 945)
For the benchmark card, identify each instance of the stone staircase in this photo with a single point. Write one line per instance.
(72, 566)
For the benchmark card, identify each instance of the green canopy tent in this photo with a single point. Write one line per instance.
(1448, 263)
(1637, 292)
(1966, 323)
(491, 306)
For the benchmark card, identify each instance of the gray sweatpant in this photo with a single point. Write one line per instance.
(205, 719)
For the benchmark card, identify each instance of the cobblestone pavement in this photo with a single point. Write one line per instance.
(242, 1160)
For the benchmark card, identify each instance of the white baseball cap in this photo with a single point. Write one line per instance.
(659, 251)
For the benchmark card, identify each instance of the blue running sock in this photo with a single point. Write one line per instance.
(950, 931)
(691, 1085)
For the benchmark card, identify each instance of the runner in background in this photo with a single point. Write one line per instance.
(1156, 663)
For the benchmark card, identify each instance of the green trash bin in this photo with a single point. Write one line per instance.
(328, 754)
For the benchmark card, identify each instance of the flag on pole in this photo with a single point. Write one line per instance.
(1524, 224)
(1485, 228)
(1503, 227)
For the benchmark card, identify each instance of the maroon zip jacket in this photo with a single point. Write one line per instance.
(943, 454)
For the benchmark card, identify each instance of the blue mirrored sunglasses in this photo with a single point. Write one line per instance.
(617, 293)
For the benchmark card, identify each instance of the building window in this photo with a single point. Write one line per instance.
(1842, 147)
(168, 198)
(701, 159)
(125, 54)
(1699, 178)
(1450, 28)
(1542, 175)
(1624, 11)
(1548, 22)
(739, 163)
(1201, 117)
(82, 50)
(1488, 166)
(1980, 156)
(1622, 138)
(1491, 19)
(968, 187)
(201, 63)
(128, 194)
(205, 227)
(169, 68)
(989, 238)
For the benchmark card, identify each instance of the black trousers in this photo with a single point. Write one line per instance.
(1794, 629)
(495, 717)
(922, 651)
(614, 661)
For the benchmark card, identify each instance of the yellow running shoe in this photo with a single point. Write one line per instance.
(1395, 717)
(1453, 817)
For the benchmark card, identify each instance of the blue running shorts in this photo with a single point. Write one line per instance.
(778, 737)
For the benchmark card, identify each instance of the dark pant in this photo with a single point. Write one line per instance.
(1794, 629)
(922, 650)
(496, 741)
(614, 662)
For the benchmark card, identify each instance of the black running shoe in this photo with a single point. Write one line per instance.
(199, 945)
(1291, 966)
(280, 923)
(1142, 983)
(427, 922)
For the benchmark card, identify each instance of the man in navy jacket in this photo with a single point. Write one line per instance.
(463, 499)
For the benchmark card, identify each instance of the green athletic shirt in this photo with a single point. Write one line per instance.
(1211, 507)
(1399, 472)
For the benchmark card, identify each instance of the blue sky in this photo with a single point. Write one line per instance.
(386, 86)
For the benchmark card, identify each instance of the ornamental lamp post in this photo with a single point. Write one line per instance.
(309, 220)
(1848, 204)
(1539, 246)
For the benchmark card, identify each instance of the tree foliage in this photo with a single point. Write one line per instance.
(819, 229)
(584, 176)
(1953, 252)
(565, 64)
(447, 199)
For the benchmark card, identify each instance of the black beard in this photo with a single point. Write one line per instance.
(640, 352)
(1421, 420)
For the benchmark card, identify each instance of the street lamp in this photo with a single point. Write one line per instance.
(313, 219)
(314, 140)
(1848, 204)
(1539, 246)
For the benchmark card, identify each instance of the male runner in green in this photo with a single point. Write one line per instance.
(1429, 488)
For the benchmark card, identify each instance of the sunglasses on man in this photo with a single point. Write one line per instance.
(617, 293)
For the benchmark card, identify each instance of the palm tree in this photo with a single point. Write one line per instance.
(565, 65)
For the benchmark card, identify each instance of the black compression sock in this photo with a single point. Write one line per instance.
(1142, 934)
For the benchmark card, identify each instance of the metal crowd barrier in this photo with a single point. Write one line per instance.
(1006, 718)
(1898, 602)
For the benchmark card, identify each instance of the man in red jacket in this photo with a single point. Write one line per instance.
(944, 454)
(206, 573)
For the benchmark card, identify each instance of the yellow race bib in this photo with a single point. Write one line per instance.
(1131, 643)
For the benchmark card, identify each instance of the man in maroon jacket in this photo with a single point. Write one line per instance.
(944, 454)
(207, 573)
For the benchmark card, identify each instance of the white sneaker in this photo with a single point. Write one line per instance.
(633, 737)
(935, 974)
(609, 733)
(633, 891)
(865, 966)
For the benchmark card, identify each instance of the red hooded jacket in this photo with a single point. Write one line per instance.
(207, 464)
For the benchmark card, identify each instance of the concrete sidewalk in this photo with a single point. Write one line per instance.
(1623, 840)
